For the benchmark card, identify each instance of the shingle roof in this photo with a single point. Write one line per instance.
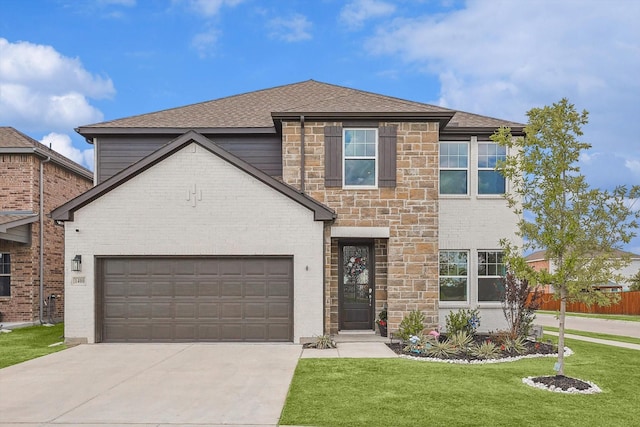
(14, 141)
(257, 109)
(13, 219)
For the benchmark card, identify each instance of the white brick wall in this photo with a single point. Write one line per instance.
(475, 223)
(237, 215)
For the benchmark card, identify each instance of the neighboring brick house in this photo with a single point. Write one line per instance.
(23, 163)
(538, 261)
(285, 213)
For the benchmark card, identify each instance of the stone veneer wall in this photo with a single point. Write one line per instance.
(410, 210)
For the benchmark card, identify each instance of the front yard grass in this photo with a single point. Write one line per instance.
(23, 344)
(400, 392)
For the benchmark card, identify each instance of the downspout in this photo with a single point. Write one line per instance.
(302, 154)
(41, 311)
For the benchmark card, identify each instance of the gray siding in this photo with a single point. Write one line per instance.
(118, 152)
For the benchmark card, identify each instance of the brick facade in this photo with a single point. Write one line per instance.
(406, 262)
(20, 191)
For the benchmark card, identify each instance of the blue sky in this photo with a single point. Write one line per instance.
(66, 63)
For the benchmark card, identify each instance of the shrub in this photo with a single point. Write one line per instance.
(463, 320)
(411, 325)
(485, 350)
(519, 304)
(442, 350)
(515, 345)
(322, 342)
(461, 340)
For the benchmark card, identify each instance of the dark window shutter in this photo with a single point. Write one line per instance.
(387, 141)
(333, 156)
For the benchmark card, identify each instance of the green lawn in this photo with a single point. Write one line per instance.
(28, 343)
(629, 318)
(400, 392)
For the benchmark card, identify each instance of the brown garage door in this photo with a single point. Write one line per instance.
(195, 299)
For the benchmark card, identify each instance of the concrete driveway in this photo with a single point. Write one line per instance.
(150, 385)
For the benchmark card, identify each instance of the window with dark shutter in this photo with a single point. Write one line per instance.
(333, 156)
(387, 143)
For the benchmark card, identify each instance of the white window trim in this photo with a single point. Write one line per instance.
(467, 169)
(478, 277)
(375, 158)
(477, 175)
(456, 304)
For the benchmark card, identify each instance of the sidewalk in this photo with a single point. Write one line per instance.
(603, 326)
(586, 324)
(356, 345)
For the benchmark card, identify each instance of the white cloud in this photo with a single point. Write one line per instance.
(356, 12)
(485, 55)
(63, 145)
(633, 166)
(205, 42)
(293, 29)
(209, 8)
(42, 89)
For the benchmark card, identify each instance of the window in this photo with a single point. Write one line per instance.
(5, 275)
(490, 181)
(453, 275)
(360, 153)
(454, 163)
(491, 270)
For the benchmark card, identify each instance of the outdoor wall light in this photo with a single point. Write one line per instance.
(76, 263)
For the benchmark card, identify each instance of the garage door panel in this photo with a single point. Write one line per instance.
(231, 310)
(279, 289)
(231, 289)
(255, 311)
(161, 289)
(197, 299)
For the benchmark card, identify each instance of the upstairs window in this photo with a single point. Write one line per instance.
(491, 270)
(454, 166)
(360, 157)
(490, 181)
(5, 275)
(454, 268)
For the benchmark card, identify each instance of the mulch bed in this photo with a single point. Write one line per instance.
(533, 348)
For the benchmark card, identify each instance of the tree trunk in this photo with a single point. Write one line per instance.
(563, 311)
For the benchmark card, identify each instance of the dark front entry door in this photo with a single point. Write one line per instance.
(356, 286)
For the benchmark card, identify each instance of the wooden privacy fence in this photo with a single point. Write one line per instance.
(629, 304)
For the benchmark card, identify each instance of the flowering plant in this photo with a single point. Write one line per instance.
(382, 318)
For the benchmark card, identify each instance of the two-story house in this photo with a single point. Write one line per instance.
(283, 214)
(33, 181)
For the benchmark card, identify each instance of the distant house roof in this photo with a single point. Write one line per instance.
(13, 141)
(542, 255)
(66, 211)
(262, 111)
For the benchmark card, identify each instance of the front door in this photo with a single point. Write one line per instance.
(356, 286)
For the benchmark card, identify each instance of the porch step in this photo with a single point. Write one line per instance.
(359, 336)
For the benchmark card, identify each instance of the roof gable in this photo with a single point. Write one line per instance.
(263, 108)
(65, 212)
(13, 141)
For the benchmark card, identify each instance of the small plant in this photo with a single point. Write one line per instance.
(485, 350)
(460, 340)
(322, 342)
(463, 320)
(382, 318)
(516, 345)
(442, 350)
(412, 324)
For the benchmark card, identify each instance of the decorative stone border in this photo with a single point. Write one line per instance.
(591, 390)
